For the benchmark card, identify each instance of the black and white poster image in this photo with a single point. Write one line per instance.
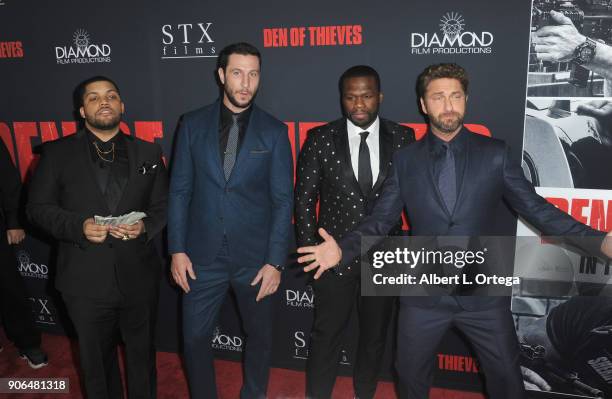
(571, 48)
(568, 142)
(566, 347)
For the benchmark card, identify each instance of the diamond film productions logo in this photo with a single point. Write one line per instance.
(27, 268)
(300, 299)
(453, 38)
(42, 310)
(84, 50)
(192, 40)
(225, 342)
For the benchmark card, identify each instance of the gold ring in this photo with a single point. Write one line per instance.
(126, 237)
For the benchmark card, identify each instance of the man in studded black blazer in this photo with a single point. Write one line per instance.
(108, 276)
(450, 184)
(342, 166)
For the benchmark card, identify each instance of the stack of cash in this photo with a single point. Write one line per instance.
(128, 219)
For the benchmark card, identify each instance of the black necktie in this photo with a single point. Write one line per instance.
(232, 148)
(447, 181)
(364, 169)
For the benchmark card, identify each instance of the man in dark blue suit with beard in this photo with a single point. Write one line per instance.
(450, 184)
(231, 199)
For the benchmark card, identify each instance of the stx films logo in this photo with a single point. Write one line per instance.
(83, 51)
(453, 38)
(225, 342)
(42, 310)
(300, 299)
(300, 350)
(192, 40)
(27, 268)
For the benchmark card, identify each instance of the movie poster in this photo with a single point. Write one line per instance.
(563, 307)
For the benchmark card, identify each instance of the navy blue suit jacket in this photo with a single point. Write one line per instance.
(489, 176)
(253, 208)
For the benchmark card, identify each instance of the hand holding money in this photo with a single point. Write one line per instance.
(95, 232)
(124, 227)
(127, 231)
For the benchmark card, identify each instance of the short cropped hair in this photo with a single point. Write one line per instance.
(359, 71)
(82, 87)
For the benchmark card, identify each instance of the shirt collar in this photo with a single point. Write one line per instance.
(226, 114)
(457, 143)
(92, 138)
(354, 130)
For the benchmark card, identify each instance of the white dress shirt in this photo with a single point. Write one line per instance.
(373, 141)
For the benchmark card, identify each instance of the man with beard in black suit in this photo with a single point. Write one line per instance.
(108, 275)
(451, 183)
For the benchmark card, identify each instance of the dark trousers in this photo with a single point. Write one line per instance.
(200, 314)
(100, 325)
(15, 307)
(491, 332)
(335, 297)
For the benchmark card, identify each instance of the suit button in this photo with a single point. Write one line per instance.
(110, 245)
(451, 224)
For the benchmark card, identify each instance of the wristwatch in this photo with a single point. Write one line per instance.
(280, 268)
(585, 52)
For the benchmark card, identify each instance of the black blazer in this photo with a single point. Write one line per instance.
(63, 193)
(325, 173)
(10, 190)
(489, 176)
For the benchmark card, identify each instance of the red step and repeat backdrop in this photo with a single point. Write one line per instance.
(163, 56)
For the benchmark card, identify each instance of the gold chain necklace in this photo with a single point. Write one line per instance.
(102, 153)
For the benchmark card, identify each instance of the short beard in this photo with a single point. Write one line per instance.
(234, 101)
(447, 127)
(100, 125)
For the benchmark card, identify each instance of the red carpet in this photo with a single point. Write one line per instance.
(284, 384)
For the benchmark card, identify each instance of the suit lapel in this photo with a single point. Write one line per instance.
(385, 153)
(250, 138)
(344, 156)
(467, 164)
(82, 153)
(211, 142)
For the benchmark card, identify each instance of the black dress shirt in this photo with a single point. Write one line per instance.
(226, 123)
(111, 166)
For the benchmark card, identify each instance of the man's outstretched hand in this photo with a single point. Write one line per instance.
(323, 256)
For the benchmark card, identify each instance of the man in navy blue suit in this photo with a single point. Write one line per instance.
(231, 199)
(450, 184)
